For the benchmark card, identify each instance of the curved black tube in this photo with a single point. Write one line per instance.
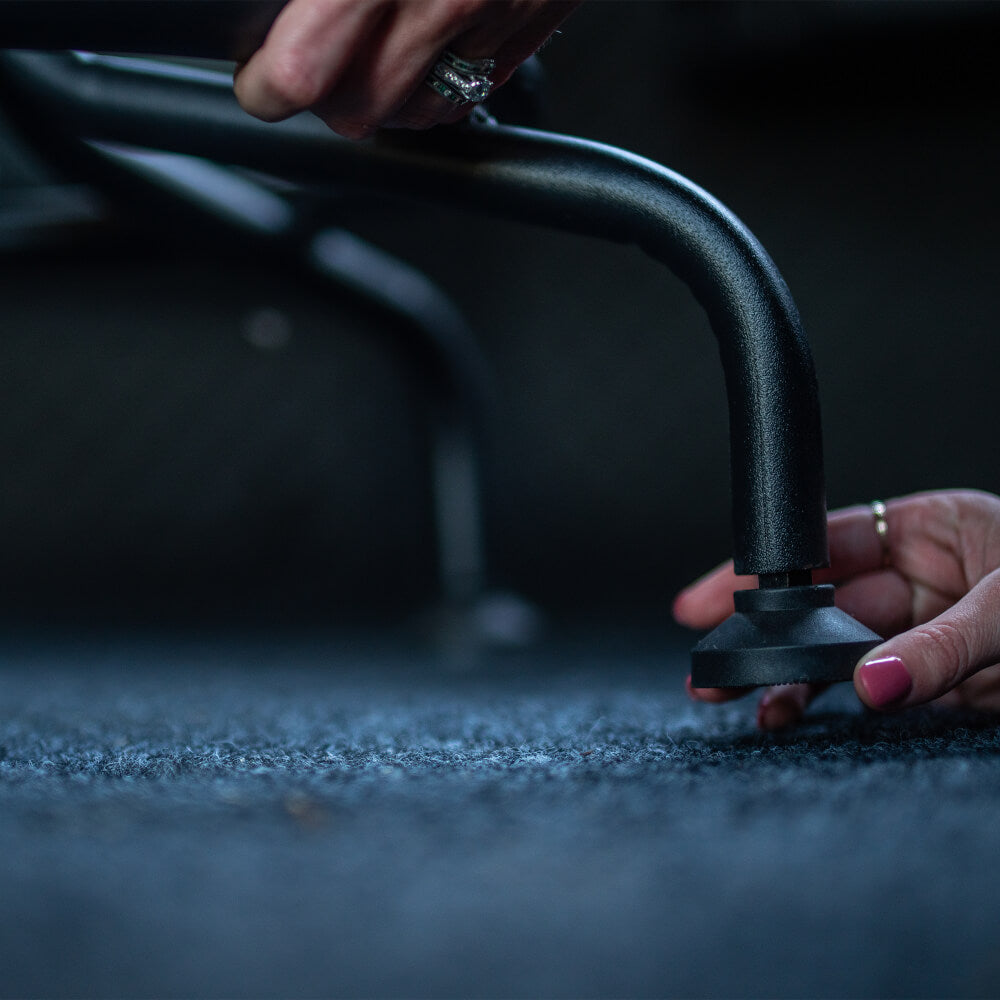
(779, 511)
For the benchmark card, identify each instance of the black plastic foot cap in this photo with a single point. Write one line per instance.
(787, 635)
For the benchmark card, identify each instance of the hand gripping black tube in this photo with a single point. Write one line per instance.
(779, 514)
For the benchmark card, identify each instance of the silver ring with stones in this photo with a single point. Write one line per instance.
(470, 67)
(470, 88)
(461, 81)
(445, 91)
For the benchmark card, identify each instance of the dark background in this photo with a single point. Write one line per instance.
(158, 465)
(342, 811)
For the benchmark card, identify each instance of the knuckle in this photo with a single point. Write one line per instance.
(291, 83)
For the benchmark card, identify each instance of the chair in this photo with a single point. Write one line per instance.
(112, 114)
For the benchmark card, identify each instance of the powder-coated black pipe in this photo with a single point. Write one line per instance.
(779, 515)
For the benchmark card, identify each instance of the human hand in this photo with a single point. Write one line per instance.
(360, 65)
(936, 590)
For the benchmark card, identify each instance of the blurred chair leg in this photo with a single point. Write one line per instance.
(471, 614)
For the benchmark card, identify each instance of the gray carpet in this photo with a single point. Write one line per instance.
(293, 816)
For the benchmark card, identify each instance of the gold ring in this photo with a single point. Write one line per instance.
(881, 528)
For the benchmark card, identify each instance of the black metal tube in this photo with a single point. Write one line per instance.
(779, 512)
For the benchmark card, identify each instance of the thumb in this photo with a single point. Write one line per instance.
(928, 661)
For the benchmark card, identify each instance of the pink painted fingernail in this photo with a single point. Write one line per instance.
(886, 681)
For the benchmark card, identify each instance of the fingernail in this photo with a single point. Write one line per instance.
(777, 711)
(690, 689)
(886, 681)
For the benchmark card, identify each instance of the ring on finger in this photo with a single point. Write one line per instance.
(471, 67)
(442, 88)
(461, 81)
(878, 509)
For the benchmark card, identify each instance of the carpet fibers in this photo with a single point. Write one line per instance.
(310, 816)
